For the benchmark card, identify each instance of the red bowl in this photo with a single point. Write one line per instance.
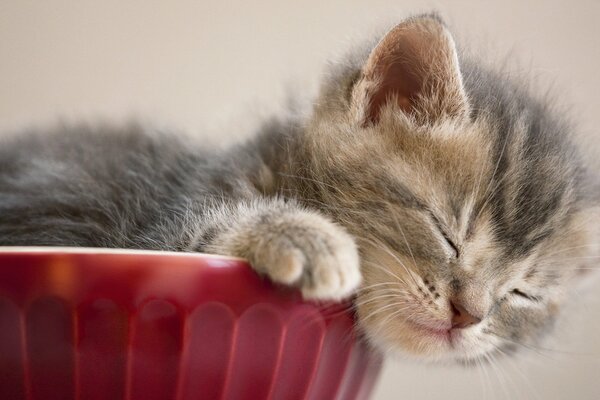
(105, 324)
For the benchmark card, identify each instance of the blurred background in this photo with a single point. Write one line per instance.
(210, 68)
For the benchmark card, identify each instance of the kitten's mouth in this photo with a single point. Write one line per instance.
(445, 335)
(453, 342)
(435, 341)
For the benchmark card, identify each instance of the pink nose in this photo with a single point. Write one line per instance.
(461, 318)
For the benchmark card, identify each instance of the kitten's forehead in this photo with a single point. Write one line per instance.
(445, 162)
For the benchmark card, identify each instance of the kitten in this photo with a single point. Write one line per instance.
(453, 200)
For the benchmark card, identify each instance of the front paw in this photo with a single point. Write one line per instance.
(298, 248)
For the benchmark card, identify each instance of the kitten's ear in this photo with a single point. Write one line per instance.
(586, 267)
(415, 66)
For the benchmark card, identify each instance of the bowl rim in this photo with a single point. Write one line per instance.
(109, 251)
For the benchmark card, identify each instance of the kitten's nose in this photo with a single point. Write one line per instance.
(461, 318)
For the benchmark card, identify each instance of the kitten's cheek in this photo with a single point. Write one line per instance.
(403, 340)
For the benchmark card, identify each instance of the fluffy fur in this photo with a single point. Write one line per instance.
(428, 181)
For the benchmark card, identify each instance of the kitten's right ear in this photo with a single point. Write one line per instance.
(415, 68)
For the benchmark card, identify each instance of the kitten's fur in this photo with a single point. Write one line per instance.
(459, 193)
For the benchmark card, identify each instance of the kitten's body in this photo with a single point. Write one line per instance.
(453, 201)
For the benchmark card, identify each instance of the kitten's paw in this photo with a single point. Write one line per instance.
(301, 249)
(324, 264)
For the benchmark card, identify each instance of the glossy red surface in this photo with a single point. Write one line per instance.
(116, 325)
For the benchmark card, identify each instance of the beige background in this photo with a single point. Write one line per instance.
(197, 65)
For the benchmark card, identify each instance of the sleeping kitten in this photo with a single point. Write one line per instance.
(450, 198)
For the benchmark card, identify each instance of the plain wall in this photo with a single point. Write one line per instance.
(199, 65)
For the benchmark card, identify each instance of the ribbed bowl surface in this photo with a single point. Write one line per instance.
(92, 324)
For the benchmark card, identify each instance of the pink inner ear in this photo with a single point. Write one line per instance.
(397, 82)
(414, 62)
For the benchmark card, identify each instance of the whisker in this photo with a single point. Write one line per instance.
(552, 254)
(492, 364)
(377, 298)
(391, 316)
(386, 248)
(540, 350)
(563, 260)
(482, 381)
(365, 288)
(403, 236)
(490, 196)
(386, 289)
(384, 308)
(494, 175)
(520, 373)
(386, 271)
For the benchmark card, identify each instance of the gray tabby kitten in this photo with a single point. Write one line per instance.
(449, 197)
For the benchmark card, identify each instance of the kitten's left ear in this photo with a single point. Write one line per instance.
(414, 67)
(586, 268)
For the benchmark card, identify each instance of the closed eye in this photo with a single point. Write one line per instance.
(444, 235)
(520, 293)
(451, 244)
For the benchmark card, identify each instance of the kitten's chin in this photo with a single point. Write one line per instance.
(427, 344)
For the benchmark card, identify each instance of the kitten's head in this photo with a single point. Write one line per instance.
(463, 192)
